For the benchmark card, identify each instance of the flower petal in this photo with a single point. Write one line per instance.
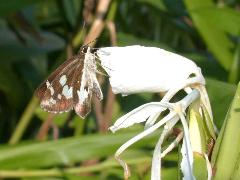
(187, 162)
(134, 69)
(138, 115)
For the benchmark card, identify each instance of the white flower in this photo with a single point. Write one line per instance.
(135, 69)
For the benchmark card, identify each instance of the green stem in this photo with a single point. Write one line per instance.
(112, 11)
(78, 39)
(75, 170)
(24, 121)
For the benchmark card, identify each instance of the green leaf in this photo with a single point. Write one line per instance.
(128, 39)
(235, 69)
(105, 167)
(11, 86)
(226, 152)
(208, 124)
(70, 11)
(59, 119)
(199, 167)
(44, 178)
(14, 5)
(65, 151)
(11, 48)
(223, 18)
(159, 4)
(220, 94)
(209, 66)
(216, 39)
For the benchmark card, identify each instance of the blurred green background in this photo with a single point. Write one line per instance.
(38, 35)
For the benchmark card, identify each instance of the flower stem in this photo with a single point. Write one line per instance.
(24, 121)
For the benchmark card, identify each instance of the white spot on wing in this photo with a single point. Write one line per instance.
(59, 96)
(63, 80)
(49, 102)
(51, 90)
(49, 86)
(45, 103)
(82, 95)
(67, 92)
(52, 101)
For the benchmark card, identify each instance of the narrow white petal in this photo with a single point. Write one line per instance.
(141, 135)
(138, 115)
(151, 120)
(146, 132)
(187, 162)
(187, 152)
(157, 155)
(156, 160)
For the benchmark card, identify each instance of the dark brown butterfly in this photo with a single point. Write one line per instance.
(71, 85)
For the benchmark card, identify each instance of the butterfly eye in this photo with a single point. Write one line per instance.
(84, 49)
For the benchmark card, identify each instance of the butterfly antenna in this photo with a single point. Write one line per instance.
(93, 41)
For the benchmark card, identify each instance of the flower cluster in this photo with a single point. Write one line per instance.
(135, 69)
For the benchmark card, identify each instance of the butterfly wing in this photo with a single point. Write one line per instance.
(70, 86)
(91, 87)
(83, 108)
(82, 93)
(96, 87)
(40, 91)
(88, 85)
(56, 93)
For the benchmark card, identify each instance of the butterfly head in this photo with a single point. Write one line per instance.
(87, 49)
(83, 49)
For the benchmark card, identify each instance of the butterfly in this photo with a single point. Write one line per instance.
(71, 85)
